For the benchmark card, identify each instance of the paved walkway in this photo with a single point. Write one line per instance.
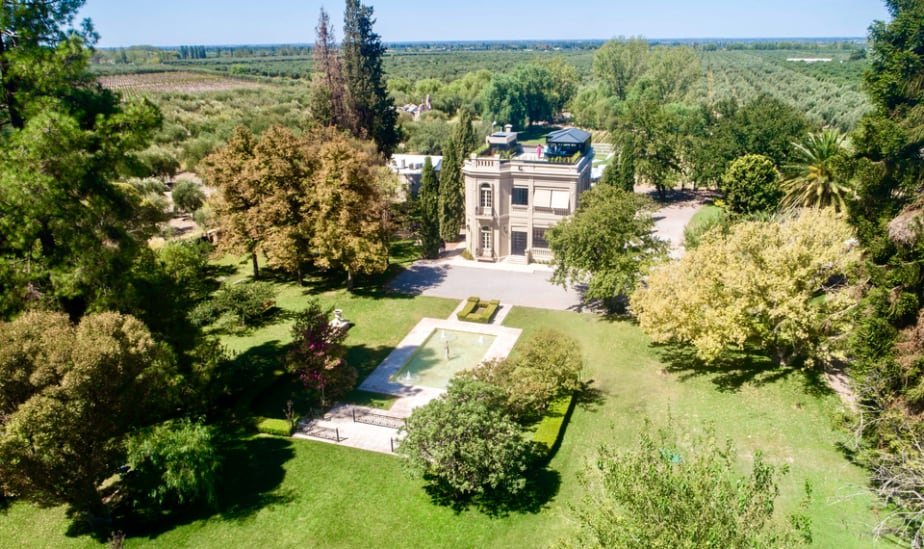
(511, 284)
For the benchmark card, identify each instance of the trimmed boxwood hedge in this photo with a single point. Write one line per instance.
(479, 311)
(552, 427)
(272, 426)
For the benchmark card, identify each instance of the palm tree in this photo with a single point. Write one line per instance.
(817, 180)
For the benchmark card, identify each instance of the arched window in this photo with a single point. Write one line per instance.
(486, 195)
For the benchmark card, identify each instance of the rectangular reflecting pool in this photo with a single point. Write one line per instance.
(443, 354)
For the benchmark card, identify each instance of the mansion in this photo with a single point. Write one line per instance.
(515, 193)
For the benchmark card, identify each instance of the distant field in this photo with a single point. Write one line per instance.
(188, 82)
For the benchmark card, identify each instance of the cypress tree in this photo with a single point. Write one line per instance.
(375, 114)
(428, 218)
(452, 181)
(625, 176)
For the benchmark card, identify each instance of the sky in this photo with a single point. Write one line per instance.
(229, 22)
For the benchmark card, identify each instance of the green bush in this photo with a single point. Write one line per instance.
(552, 427)
(247, 301)
(272, 426)
(470, 305)
(479, 311)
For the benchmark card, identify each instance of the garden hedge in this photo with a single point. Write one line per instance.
(272, 426)
(552, 427)
(479, 311)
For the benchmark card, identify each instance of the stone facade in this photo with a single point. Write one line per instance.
(510, 202)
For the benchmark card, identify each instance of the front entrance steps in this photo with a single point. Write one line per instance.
(516, 260)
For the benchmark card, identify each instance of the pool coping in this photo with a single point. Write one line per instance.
(379, 381)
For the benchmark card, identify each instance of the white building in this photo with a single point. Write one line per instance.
(409, 168)
(514, 194)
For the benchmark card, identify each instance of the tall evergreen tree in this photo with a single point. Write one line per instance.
(452, 181)
(329, 98)
(428, 219)
(376, 117)
(42, 57)
(68, 236)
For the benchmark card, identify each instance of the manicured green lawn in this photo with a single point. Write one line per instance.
(704, 215)
(283, 493)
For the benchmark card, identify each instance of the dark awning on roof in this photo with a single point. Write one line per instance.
(568, 136)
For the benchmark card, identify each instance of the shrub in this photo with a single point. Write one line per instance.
(187, 196)
(751, 185)
(248, 301)
(273, 426)
(548, 368)
(479, 311)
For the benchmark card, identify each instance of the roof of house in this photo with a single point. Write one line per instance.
(568, 136)
(413, 163)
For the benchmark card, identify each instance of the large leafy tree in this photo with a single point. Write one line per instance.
(347, 230)
(76, 393)
(778, 286)
(619, 64)
(649, 133)
(264, 196)
(372, 108)
(608, 244)
(504, 101)
(465, 445)
(665, 491)
(537, 84)
(820, 175)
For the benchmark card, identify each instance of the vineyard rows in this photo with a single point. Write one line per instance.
(744, 76)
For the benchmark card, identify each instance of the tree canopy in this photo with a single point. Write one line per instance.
(76, 393)
(608, 244)
(751, 185)
(362, 50)
(665, 491)
(778, 285)
(465, 445)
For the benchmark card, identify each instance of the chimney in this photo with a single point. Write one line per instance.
(508, 128)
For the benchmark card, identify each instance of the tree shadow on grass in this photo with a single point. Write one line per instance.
(366, 359)
(729, 372)
(589, 398)
(252, 471)
(542, 486)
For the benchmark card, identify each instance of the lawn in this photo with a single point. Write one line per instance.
(284, 492)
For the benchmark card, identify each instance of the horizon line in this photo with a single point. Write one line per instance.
(522, 40)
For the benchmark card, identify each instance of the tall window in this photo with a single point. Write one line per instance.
(520, 196)
(485, 238)
(539, 237)
(487, 198)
